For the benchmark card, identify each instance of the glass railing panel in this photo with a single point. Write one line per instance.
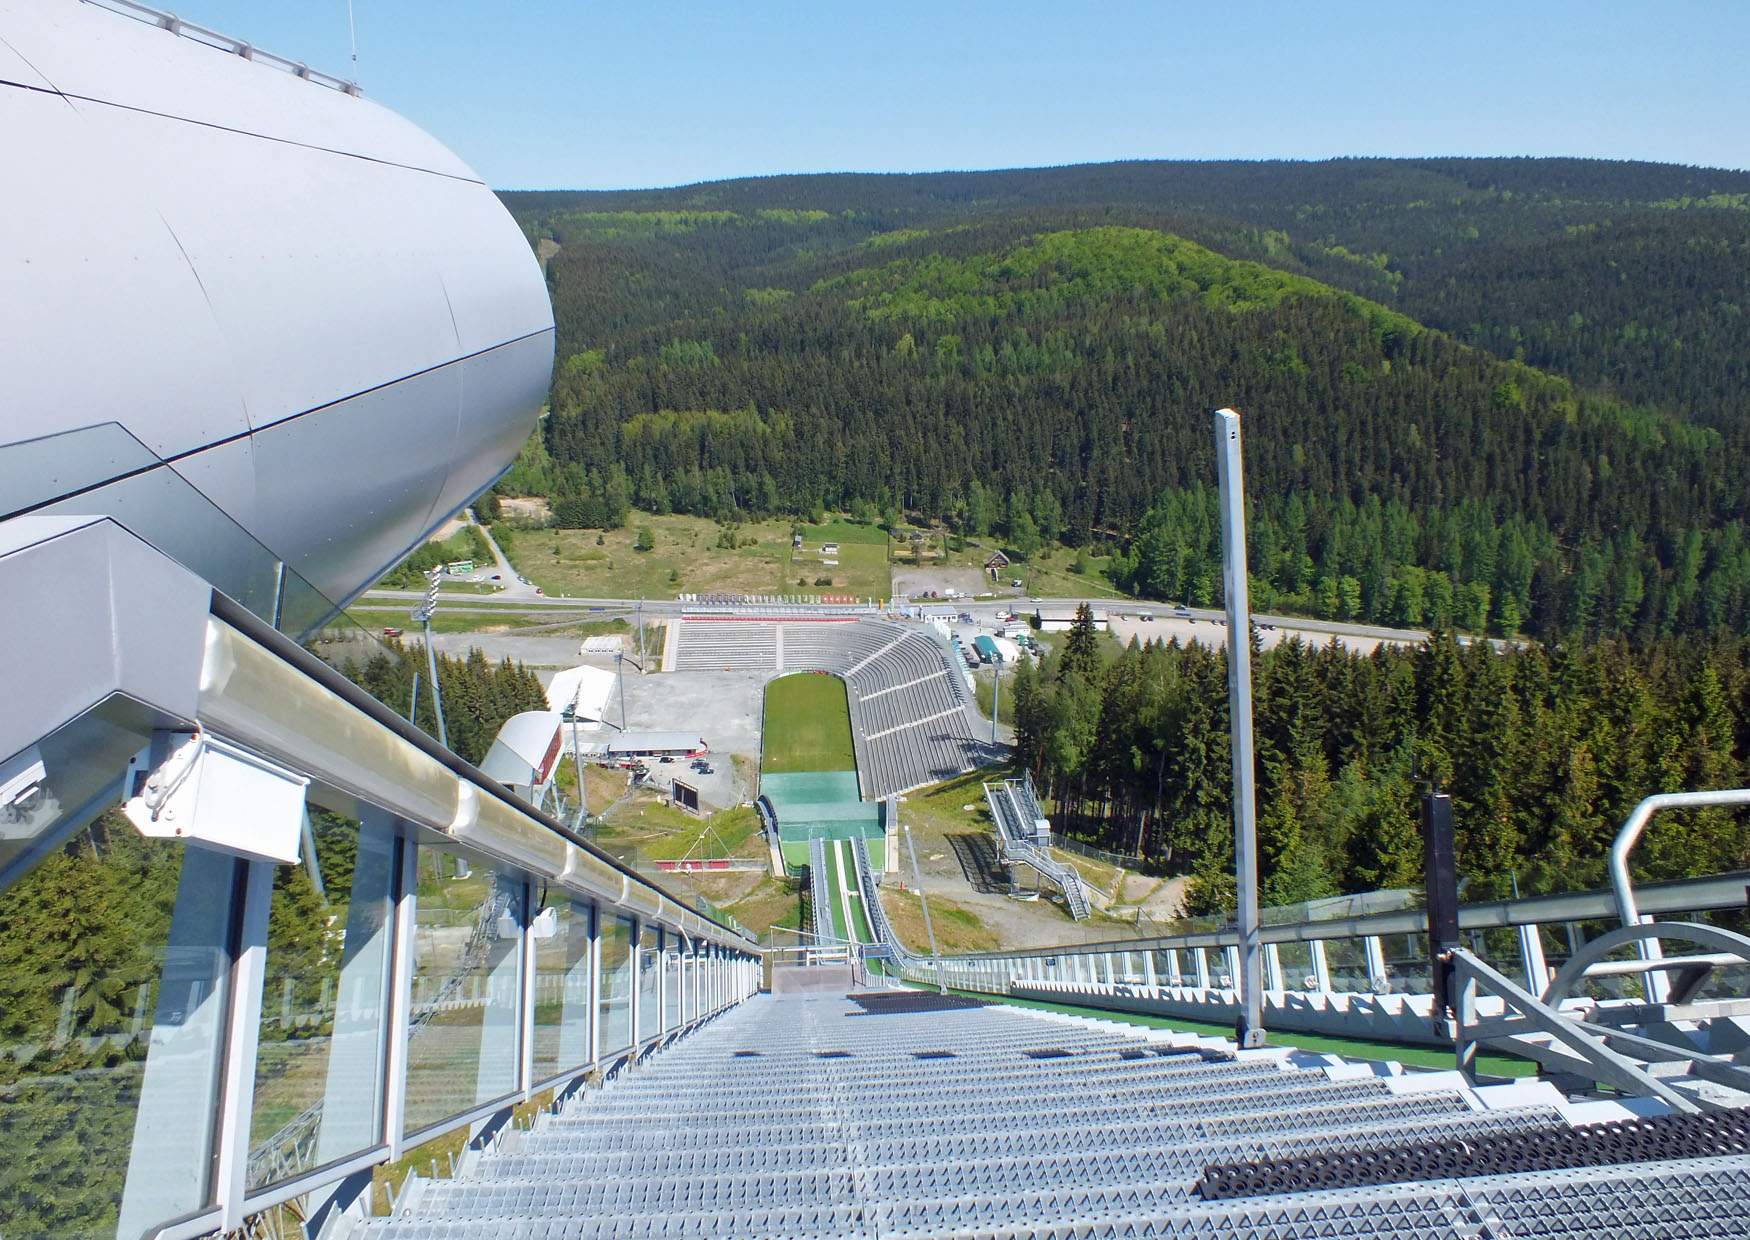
(1346, 960)
(58, 785)
(325, 1000)
(1727, 982)
(649, 970)
(113, 971)
(1501, 948)
(671, 980)
(1297, 966)
(616, 984)
(462, 1048)
(562, 1012)
(1406, 963)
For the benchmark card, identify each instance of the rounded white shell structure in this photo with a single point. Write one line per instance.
(237, 295)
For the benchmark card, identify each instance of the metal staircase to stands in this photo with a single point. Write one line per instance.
(1014, 809)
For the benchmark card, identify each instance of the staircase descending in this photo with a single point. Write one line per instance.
(819, 897)
(905, 1114)
(1014, 810)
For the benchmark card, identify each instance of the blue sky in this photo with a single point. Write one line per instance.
(550, 93)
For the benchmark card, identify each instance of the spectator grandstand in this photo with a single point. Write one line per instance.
(912, 717)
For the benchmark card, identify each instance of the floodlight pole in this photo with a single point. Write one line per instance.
(424, 615)
(1249, 1028)
(917, 879)
(996, 701)
(577, 764)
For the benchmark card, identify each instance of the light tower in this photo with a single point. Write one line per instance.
(422, 615)
(1250, 1026)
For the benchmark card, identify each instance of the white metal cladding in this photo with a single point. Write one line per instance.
(318, 314)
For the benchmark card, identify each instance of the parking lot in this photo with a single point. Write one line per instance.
(722, 707)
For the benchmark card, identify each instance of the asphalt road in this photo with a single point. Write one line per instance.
(983, 611)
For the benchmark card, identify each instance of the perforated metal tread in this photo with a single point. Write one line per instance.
(1098, 1143)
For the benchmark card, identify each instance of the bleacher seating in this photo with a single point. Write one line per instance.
(907, 1114)
(914, 720)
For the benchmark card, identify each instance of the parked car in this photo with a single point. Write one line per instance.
(1147, 616)
(391, 631)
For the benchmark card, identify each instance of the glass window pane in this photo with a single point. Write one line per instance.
(1297, 966)
(649, 966)
(672, 986)
(616, 983)
(1346, 960)
(318, 1071)
(113, 959)
(561, 988)
(462, 1050)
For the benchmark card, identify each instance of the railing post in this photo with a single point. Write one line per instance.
(1378, 980)
(1440, 874)
(1321, 966)
(401, 995)
(1531, 957)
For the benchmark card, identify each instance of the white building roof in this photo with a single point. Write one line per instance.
(589, 689)
(526, 749)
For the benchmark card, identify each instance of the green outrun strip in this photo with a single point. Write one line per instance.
(1349, 1048)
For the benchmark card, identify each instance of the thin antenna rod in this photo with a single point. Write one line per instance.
(352, 32)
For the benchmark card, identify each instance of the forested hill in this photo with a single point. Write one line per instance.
(1037, 352)
(1634, 276)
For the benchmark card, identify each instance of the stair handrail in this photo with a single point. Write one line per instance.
(1629, 834)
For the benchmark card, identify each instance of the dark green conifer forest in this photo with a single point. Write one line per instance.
(1503, 396)
(1523, 376)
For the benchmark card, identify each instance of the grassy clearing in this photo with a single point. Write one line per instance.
(651, 828)
(807, 725)
(757, 900)
(1047, 574)
(604, 785)
(937, 812)
(689, 557)
(958, 929)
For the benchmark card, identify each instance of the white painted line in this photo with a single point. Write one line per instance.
(942, 714)
(868, 697)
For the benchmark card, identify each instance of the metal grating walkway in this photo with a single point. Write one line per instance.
(900, 1114)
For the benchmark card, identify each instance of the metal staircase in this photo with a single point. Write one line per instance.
(819, 893)
(1014, 809)
(904, 1114)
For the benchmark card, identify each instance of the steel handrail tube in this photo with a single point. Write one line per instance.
(1630, 833)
